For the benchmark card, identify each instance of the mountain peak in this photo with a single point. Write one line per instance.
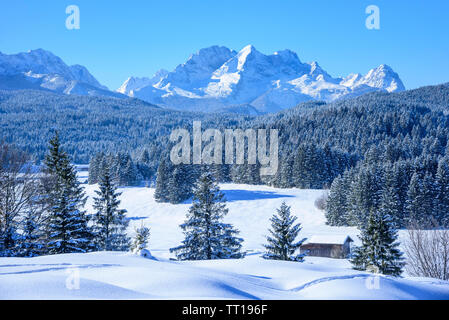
(47, 71)
(248, 48)
(211, 52)
(384, 77)
(40, 50)
(287, 55)
(384, 66)
(217, 77)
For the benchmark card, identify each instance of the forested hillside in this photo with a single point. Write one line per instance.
(88, 125)
(387, 150)
(395, 147)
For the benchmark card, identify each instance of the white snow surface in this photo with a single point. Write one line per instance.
(327, 239)
(120, 275)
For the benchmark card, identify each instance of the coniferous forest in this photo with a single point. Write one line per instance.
(377, 151)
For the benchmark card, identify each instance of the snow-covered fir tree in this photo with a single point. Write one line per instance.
(284, 174)
(109, 221)
(365, 193)
(336, 209)
(67, 227)
(179, 186)
(421, 198)
(390, 199)
(95, 165)
(161, 193)
(140, 240)
(379, 250)
(252, 174)
(282, 243)
(206, 235)
(31, 243)
(442, 200)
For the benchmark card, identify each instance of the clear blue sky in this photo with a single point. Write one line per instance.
(137, 37)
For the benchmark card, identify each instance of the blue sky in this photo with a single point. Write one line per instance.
(137, 37)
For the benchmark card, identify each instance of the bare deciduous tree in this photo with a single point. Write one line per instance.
(18, 187)
(427, 250)
(320, 202)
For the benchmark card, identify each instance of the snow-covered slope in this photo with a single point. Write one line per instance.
(217, 77)
(41, 69)
(114, 275)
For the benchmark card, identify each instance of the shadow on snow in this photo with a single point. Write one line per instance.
(241, 195)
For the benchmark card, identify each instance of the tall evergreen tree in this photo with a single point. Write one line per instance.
(179, 184)
(390, 198)
(206, 236)
(161, 194)
(282, 243)
(336, 205)
(67, 228)
(110, 222)
(442, 179)
(379, 250)
(252, 174)
(284, 175)
(365, 193)
(421, 198)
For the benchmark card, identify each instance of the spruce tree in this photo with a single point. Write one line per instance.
(140, 240)
(31, 243)
(390, 198)
(364, 194)
(206, 236)
(67, 227)
(379, 250)
(129, 173)
(179, 186)
(110, 222)
(336, 205)
(421, 198)
(161, 194)
(284, 176)
(145, 157)
(442, 179)
(282, 243)
(252, 174)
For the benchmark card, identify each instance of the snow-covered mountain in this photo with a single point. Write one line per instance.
(41, 69)
(213, 79)
(217, 77)
(135, 83)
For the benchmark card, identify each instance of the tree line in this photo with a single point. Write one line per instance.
(318, 142)
(408, 190)
(42, 210)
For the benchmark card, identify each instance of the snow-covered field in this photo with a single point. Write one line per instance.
(112, 275)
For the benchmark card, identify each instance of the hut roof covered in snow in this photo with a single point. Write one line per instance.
(329, 239)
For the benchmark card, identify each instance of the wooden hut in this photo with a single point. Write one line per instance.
(329, 246)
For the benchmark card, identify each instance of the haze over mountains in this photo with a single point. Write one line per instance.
(213, 79)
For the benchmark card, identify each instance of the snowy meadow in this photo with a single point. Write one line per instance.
(123, 275)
